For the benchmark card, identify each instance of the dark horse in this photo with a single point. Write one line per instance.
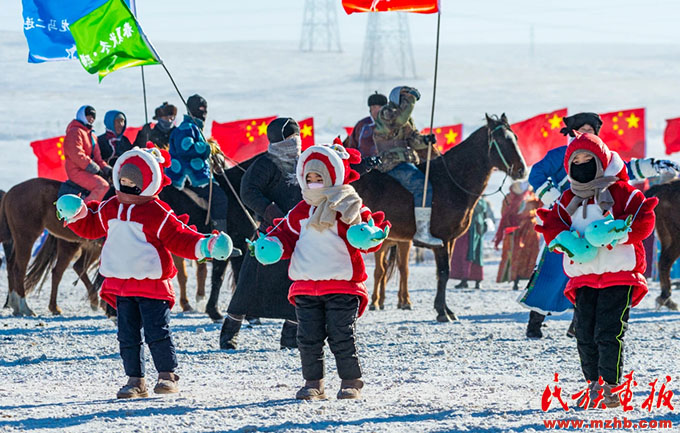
(459, 179)
(238, 228)
(668, 230)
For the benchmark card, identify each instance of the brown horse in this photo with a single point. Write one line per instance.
(26, 210)
(668, 230)
(459, 178)
(390, 254)
(183, 278)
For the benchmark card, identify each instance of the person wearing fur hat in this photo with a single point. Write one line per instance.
(324, 237)
(270, 189)
(400, 145)
(141, 232)
(83, 160)
(598, 225)
(191, 164)
(158, 133)
(361, 137)
(113, 143)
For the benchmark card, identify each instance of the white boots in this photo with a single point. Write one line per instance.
(423, 234)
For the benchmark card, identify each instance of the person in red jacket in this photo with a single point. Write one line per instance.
(326, 264)
(83, 161)
(142, 233)
(599, 224)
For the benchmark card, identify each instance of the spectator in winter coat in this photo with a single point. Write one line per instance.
(141, 233)
(269, 187)
(113, 143)
(325, 264)
(84, 164)
(361, 137)
(398, 144)
(604, 259)
(191, 161)
(158, 133)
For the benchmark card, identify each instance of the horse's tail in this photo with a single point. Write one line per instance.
(42, 263)
(5, 234)
(391, 263)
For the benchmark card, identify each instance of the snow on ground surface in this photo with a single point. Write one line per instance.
(477, 375)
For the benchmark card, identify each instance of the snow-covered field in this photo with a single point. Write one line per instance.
(479, 375)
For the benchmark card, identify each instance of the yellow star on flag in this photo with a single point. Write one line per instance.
(306, 131)
(633, 121)
(451, 136)
(262, 128)
(555, 121)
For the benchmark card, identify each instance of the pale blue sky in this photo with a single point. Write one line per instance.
(464, 22)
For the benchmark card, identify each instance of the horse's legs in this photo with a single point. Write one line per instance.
(65, 253)
(379, 279)
(441, 256)
(182, 280)
(201, 276)
(403, 250)
(81, 266)
(22, 255)
(219, 268)
(669, 254)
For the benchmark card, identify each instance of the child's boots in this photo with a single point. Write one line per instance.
(350, 389)
(313, 390)
(167, 383)
(135, 388)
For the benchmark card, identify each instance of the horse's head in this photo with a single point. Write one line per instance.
(504, 153)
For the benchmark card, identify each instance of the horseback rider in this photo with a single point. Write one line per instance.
(361, 137)
(398, 144)
(113, 143)
(191, 161)
(158, 133)
(84, 164)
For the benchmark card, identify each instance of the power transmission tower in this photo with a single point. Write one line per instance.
(387, 49)
(320, 30)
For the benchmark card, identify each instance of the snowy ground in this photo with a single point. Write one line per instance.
(479, 375)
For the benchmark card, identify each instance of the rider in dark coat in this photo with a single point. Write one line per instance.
(158, 133)
(270, 189)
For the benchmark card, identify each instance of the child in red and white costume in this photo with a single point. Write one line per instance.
(607, 280)
(142, 233)
(328, 272)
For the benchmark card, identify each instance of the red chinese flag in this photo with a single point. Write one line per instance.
(538, 135)
(349, 130)
(132, 131)
(624, 132)
(418, 6)
(671, 137)
(307, 132)
(50, 153)
(242, 139)
(447, 136)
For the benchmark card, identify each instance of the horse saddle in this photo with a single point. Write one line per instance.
(70, 187)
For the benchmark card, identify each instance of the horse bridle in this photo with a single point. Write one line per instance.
(492, 143)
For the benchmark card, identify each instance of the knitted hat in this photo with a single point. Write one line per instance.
(331, 161)
(377, 99)
(146, 169)
(281, 128)
(573, 123)
(165, 110)
(194, 104)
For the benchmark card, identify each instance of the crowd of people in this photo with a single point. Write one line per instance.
(305, 264)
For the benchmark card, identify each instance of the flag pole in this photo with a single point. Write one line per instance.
(434, 95)
(146, 110)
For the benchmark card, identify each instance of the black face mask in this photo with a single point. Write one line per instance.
(583, 173)
(133, 190)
